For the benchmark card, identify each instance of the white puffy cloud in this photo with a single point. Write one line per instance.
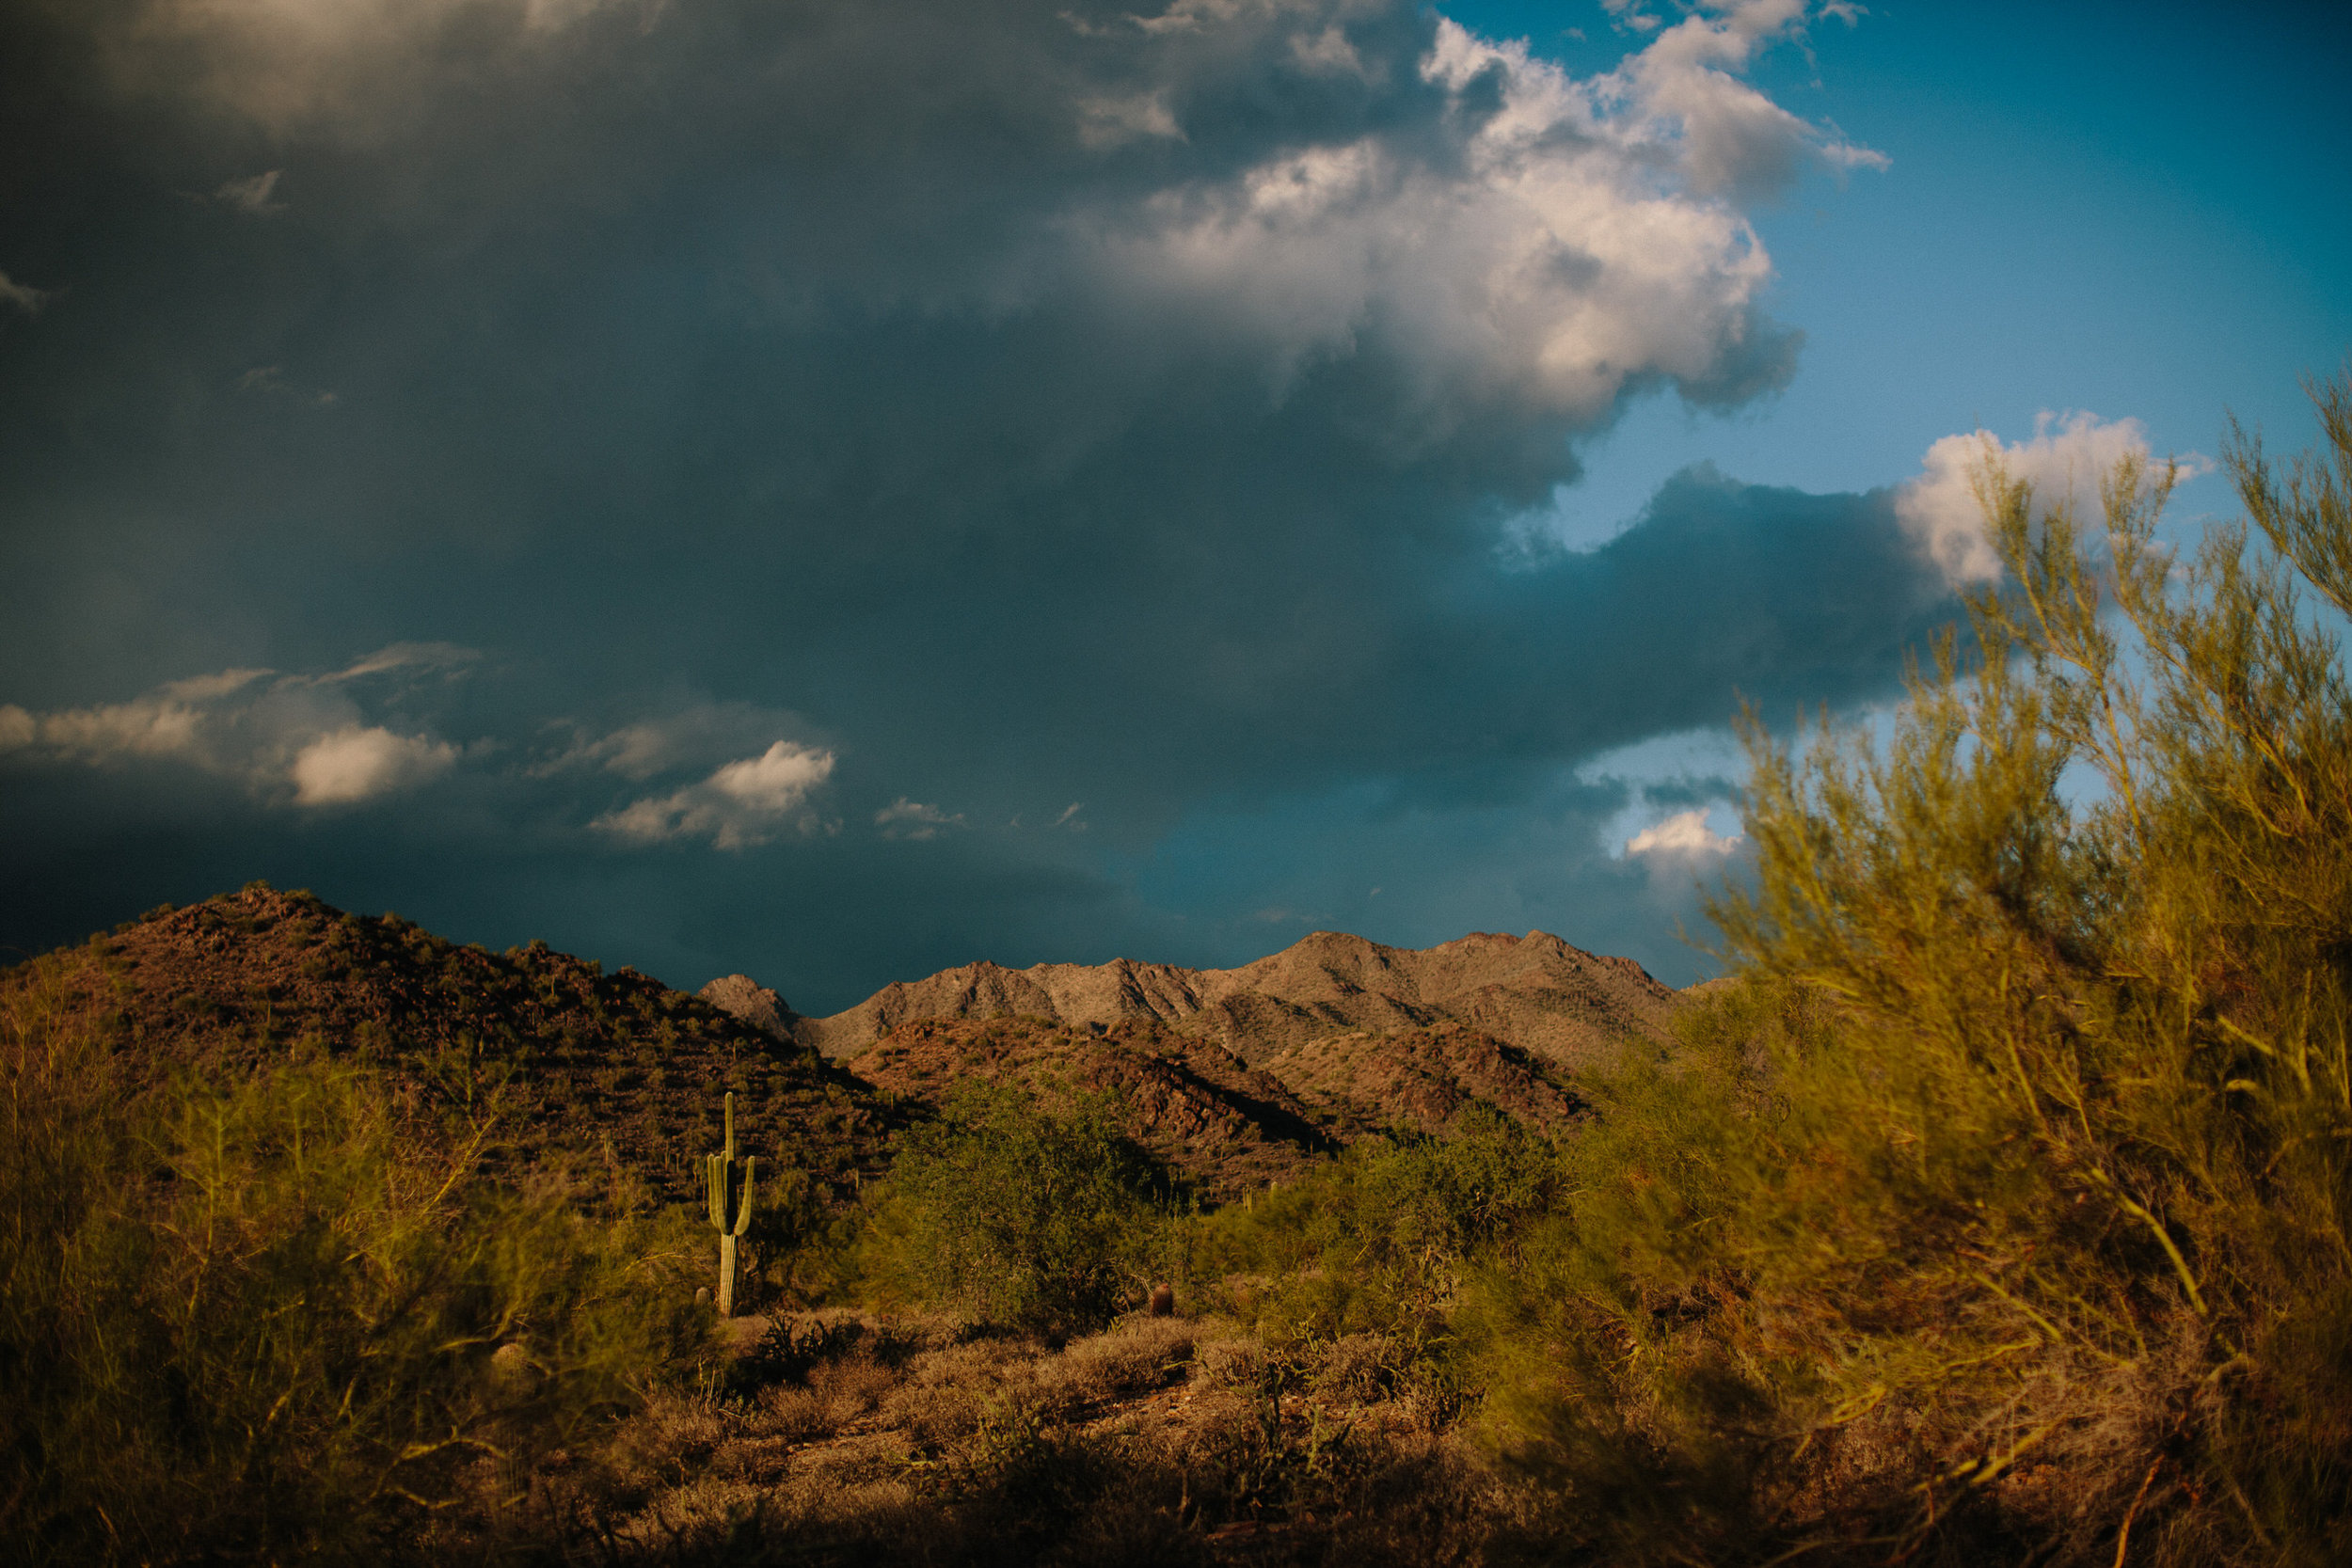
(1545, 241)
(1684, 835)
(289, 737)
(1683, 92)
(180, 720)
(350, 735)
(355, 764)
(741, 804)
(2065, 461)
(1576, 244)
(696, 736)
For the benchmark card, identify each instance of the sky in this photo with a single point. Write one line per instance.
(835, 489)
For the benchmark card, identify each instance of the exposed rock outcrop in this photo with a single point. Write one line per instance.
(752, 1001)
(1534, 992)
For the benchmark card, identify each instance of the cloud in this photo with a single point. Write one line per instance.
(1560, 251)
(149, 728)
(1684, 92)
(1066, 406)
(1684, 835)
(1106, 123)
(694, 734)
(362, 732)
(355, 764)
(2065, 459)
(445, 656)
(742, 804)
(288, 737)
(1510, 233)
(251, 196)
(23, 295)
(912, 819)
(290, 65)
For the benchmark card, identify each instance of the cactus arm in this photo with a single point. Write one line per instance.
(743, 1204)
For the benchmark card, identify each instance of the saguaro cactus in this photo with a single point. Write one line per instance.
(730, 1209)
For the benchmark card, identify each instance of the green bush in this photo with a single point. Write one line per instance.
(2003, 1208)
(1002, 1211)
(1375, 1241)
(279, 1317)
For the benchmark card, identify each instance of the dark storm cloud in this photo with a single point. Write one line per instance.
(843, 439)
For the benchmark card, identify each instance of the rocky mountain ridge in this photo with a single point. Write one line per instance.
(1536, 993)
(1235, 1077)
(584, 1066)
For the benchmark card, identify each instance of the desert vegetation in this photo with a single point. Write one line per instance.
(1994, 1211)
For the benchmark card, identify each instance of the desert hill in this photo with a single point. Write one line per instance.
(1235, 1077)
(1229, 1125)
(600, 1066)
(1423, 1080)
(1534, 992)
(1207, 1113)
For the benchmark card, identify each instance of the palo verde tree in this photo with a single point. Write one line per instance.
(2023, 1219)
(1006, 1212)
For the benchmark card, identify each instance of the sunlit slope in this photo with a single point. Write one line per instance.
(1536, 993)
(614, 1068)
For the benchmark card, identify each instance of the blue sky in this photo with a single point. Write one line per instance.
(837, 490)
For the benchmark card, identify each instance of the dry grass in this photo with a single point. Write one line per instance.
(1160, 1440)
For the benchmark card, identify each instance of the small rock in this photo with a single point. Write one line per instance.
(510, 1364)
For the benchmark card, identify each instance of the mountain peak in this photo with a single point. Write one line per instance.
(1536, 993)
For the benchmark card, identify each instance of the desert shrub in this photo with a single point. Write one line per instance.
(2003, 1206)
(1132, 1355)
(795, 1253)
(1374, 1242)
(1004, 1212)
(275, 1314)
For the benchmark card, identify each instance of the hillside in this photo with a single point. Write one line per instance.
(584, 1064)
(1197, 1105)
(1213, 1116)
(1235, 1077)
(1423, 1080)
(1533, 993)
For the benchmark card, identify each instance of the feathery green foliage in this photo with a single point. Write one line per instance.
(1374, 1242)
(277, 1316)
(1005, 1212)
(2006, 1202)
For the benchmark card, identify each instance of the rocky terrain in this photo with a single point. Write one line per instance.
(1206, 1112)
(1235, 1077)
(1533, 993)
(610, 1069)
(1423, 1080)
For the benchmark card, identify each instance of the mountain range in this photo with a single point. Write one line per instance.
(1235, 1077)
(1536, 993)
